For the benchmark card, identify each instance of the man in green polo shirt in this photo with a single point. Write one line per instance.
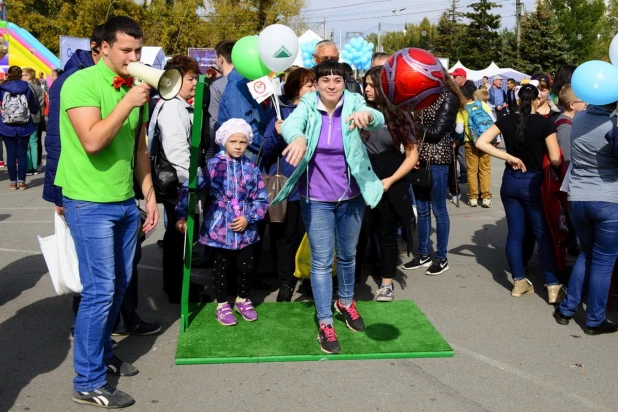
(99, 115)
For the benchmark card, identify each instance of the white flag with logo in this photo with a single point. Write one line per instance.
(261, 89)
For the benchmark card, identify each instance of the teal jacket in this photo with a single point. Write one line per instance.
(306, 121)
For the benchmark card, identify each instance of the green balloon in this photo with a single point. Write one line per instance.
(246, 58)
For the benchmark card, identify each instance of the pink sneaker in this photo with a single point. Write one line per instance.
(225, 316)
(246, 310)
(2, 163)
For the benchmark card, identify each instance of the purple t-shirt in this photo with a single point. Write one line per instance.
(327, 178)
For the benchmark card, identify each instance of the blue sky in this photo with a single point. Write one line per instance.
(364, 15)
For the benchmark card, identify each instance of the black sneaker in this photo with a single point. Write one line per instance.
(285, 293)
(142, 329)
(352, 318)
(328, 339)
(104, 397)
(606, 327)
(438, 267)
(118, 367)
(418, 262)
(560, 318)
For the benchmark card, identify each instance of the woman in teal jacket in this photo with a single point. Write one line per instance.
(335, 181)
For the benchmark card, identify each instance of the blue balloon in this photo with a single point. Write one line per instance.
(364, 60)
(371, 46)
(596, 82)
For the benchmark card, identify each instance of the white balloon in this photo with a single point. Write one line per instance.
(278, 47)
(613, 51)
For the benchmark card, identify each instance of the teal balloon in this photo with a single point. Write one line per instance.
(596, 82)
(246, 58)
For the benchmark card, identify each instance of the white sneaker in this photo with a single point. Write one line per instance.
(486, 203)
(473, 202)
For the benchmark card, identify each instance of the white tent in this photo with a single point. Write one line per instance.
(154, 57)
(490, 71)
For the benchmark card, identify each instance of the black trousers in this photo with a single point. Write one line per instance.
(227, 262)
(128, 318)
(367, 234)
(173, 249)
(386, 223)
(285, 238)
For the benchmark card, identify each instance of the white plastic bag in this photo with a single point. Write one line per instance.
(61, 258)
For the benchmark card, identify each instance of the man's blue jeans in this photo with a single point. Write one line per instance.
(596, 226)
(521, 197)
(332, 226)
(105, 236)
(433, 199)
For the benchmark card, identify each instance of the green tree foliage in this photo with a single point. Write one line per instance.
(174, 25)
(542, 46)
(480, 42)
(579, 22)
(420, 35)
(449, 31)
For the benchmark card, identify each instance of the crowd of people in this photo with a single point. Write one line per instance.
(361, 174)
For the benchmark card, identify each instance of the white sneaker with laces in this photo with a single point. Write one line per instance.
(473, 202)
(486, 203)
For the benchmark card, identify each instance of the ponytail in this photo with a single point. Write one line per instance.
(527, 95)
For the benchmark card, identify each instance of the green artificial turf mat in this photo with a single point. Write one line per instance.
(287, 332)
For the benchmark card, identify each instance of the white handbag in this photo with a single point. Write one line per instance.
(61, 258)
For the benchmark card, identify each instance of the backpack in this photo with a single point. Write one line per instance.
(15, 109)
(478, 120)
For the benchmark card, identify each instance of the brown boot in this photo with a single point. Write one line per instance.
(555, 294)
(522, 287)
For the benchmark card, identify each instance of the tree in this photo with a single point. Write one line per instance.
(508, 55)
(579, 22)
(542, 46)
(448, 32)
(480, 40)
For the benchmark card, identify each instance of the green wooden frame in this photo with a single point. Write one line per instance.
(196, 138)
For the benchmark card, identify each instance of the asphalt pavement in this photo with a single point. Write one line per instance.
(510, 354)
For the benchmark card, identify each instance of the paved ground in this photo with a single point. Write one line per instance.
(510, 355)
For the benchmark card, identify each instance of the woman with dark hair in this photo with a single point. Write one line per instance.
(335, 181)
(435, 128)
(563, 76)
(19, 103)
(384, 147)
(546, 106)
(171, 122)
(526, 136)
(285, 237)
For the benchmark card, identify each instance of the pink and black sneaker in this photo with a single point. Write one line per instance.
(246, 310)
(225, 316)
(351, 316)
(328, 339)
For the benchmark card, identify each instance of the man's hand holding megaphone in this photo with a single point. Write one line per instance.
(138, 95)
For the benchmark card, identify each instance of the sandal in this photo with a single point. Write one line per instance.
(22, 186)
(13, 186)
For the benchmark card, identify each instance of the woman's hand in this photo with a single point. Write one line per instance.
(239, 224)
(181, 226)
(278, 127)
(295, 151)
(516, 163)
(386, 184)
(360, 119)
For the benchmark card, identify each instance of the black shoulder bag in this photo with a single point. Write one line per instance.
(164, 177)
(422, 177)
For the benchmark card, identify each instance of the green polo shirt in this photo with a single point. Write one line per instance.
(106, 176)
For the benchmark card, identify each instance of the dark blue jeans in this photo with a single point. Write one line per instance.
(596, 226)
(16, 157)
(433, 199)
(105, 236)
(521, 197)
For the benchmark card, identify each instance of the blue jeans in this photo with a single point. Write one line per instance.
(521, 197)
(105, 236)
(332, 226)
(16, 157)
(596, 226)
(433, 199)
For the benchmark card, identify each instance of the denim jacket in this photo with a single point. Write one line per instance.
(306, 121)
(227, 179)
